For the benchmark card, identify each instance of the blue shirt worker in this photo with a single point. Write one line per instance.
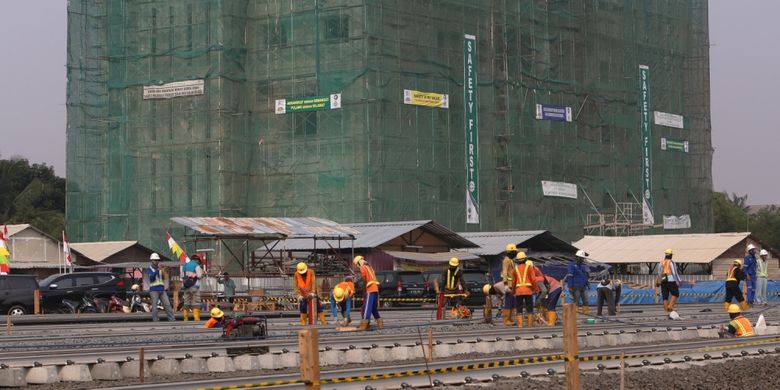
(154, 282)
(191, 283)
(749, 266)
(577, 276)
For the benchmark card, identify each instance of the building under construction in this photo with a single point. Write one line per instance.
(578, 116)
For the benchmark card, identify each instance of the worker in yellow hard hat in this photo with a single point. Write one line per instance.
(739, 326)
(525, 285)
(733, 277)
(507, 268)
(305, 285)
(341, 300)
(453, 285)
(371, 296)
(216, 320)
(668, 280)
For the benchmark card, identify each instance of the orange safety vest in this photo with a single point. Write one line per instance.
(730, 276)
(524, 285)
(372, 285)
(305, 284)
(667, 266)
(743, 326)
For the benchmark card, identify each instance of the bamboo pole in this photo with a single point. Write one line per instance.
(570, 347)
(308, 346)
(141, 364)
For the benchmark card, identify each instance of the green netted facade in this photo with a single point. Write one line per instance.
(133, 162)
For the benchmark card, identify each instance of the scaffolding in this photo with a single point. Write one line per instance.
(223, 150)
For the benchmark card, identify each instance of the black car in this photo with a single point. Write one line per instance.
(398, 285)
(75, 285)
(16, 294)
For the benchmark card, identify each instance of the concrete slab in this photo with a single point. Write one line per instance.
(416, 352)
(556, 343)
(194, 366)
(674, 335)
(223, 364)
(289, 360)
(399, 353)
(594, 341)
(42, 375)
(542, 343)
(689, 334)
(357, 355)
(707, 333)
(441, 351)
(464, 348)
(75, 373)
(106, 372)
(626, 338)
(333, 357)
(270, 361)
(246, 363)
(165, 367)
(131, 369)
(379, 354)
(523, 345)
(12, 377)
(646, 337)
(482, 347)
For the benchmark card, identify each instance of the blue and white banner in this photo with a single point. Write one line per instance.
(553, 113)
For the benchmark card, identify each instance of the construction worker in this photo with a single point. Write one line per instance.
(762, 276)
(577, 276)
(669, 281)
(216, 320)
(507, 269)
(341, 300)
(305, 285)
(371, 297)
(193, 273)
(749, 267)
(453, 286)
(605, 291)
(554, 291)
(739, 326)
(524, 278)
(734, 275)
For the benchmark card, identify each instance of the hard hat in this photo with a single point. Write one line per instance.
(454, 261)
(154, 256)
(338, 294)
(763, 253)
(135, 287)
(520, 256)
(216, 313)
(302, 268)
(738, 262)
(668, 252)
(486, 289)
(751, 247)
(529, 263)
(734, 309)
(582, 253)
(511, 248)
(357, 260)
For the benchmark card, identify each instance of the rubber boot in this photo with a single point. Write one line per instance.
(505, 314)
(666, 305)
(186, 314)
(322, 319)
(672, 302)
(726, 306)
(520, 321)
(196, 314)
(512, 316)
(363, 325)
(585, 310)
(304, 319)
(551, 318)
(380, 323)
(744, 305)
(531, 319)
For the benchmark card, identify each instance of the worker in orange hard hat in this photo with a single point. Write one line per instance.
(733, 277)
(371, 297)
(739, 326)
(305, 285)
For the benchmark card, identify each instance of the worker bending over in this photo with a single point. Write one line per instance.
(550, 300)
(734, 275)
(216, 320)
(305, 285)
(371, 297)
(739, 326)
(669, 281)
(524, 278)
(341, 300)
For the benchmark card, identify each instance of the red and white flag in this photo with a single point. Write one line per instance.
(66, 249)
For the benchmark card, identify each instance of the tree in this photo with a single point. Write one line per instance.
(731, 216)
(32, 194)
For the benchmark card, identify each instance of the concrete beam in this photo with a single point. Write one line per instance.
(166, 367)
(270, 361)
(193, 366)
(246, 363)
(42, 375)
(130, 369)
(75, 373)
(12, 377)
(106, 372)
(221, 364)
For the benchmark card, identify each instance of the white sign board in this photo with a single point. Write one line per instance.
(172, 90)
(670, 120)
(673, 222)
(560, 189)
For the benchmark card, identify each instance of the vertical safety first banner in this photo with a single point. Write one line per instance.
(470, 107)
(644, 127)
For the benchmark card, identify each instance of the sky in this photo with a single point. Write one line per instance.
(744, 80)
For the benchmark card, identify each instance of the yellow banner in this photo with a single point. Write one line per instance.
(428, 99)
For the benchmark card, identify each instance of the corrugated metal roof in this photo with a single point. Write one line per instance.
(34, 265)
(134, 264)
(493, 243)
(440, 257)
(372, 235)
(99, 251)
(266, 228)
(688, 248)
(13, 229)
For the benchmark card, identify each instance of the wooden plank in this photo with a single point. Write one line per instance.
(308, 345)
(570, 346)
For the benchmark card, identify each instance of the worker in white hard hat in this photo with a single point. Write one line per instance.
(507, 269)
(739, 326)
(669, 281)
(453, 286)
(305, 286)
(733, 277)
(749, 267)
(155, 281)
(762, 277)
(577, 276)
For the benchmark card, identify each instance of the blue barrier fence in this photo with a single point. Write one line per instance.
(699, 292)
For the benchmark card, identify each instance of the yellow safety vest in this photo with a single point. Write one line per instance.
(451, 278)
(730, 277)
(523, 280)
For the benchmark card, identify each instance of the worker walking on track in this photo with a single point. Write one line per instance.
(577, 276)
(524, 279)
(749, 267)
(669, 281)
(762, 277)
(734, 275)
(371, 297)
(341, 300)
(507, 269)
(305, 285)
(191, 283)
(739, 326)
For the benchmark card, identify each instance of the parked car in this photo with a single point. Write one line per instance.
(16, 294)
(398, 284)
(73, 286)
(474, 280)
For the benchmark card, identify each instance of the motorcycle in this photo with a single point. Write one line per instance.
(85, 305)
(135, 304)
(115, 305)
